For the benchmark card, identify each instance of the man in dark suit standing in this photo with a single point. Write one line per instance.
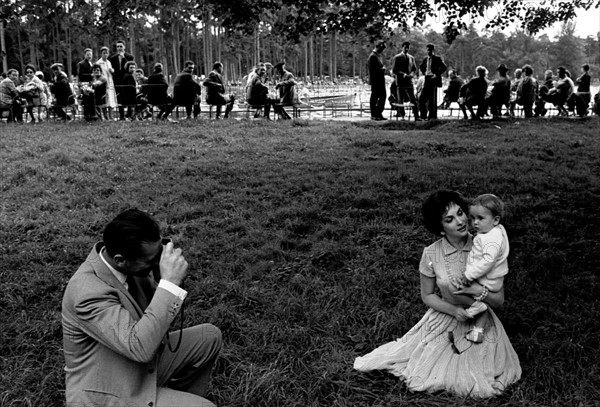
(118, 62)
(403, 68)
(84, 68)
(186, 90)
(432, 67)
(377, 81)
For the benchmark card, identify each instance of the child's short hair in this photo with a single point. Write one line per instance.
(491, 202)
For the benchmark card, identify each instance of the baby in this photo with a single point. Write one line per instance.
(487, 262)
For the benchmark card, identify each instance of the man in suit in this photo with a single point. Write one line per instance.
(186, 90)
(215, 91)
(118, 62)
(432, 67)
(377, 81)
(404, 68)
(286, 86)
(84, 68)
(116, 313)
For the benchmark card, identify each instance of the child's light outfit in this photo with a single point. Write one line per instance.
(487, 262)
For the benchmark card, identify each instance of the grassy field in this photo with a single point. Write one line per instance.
(303, 240)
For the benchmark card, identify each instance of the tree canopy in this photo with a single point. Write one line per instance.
(311, 33)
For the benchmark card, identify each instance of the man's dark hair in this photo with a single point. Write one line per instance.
(436, 205)
(217, 65)
(125, 234)
(188, 63)
(585, 67)
(406, 43)
(430, 46)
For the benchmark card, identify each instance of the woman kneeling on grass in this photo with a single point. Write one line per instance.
(435, 354)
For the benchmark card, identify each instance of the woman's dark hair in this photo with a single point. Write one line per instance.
(125, 234)
(128, 64)
(436, 205)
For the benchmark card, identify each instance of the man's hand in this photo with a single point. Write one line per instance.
(173, 266)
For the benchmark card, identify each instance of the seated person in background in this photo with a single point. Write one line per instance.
(61, 89)
(452, 92)
(99, 84)
(286, 86)
(31, 90)
(127, 90)
(561, 92)
(596, 107)
(514, 87)
(156, 92)
(186, 90)
(500, 94)
(215, 91)
(258, 90)
(9, 96)
(527, 92)
(540, 108)
(141, 107)
(473, 94)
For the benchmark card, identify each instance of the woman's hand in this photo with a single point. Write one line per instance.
(461, 314)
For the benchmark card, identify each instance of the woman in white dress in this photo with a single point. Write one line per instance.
(107, 71)
(435, 355)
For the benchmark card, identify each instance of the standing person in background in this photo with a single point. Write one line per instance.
(84, 69)
(107, 72)
(377, 81)
(404, 69)
(215, 91)
(432, 67)
(186, 90)
(118, 62)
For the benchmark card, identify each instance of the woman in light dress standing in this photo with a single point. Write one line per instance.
(107, 71)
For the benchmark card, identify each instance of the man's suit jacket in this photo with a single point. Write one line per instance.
(438, 67)
(401, 66)
(84, 71)
(111, 346)
(119, 67)
(376, 70)
(185, 89)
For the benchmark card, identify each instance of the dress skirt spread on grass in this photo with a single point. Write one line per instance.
(434, 355)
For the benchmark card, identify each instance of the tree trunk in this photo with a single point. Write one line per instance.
(3, 47)
(19, 43)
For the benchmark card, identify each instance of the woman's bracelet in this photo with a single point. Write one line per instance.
(483, 294)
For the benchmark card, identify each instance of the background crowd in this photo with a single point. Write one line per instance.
(415, 86)
(114, 88)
